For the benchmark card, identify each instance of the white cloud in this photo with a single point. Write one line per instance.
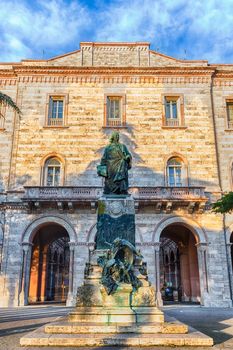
(203, 28)
(52, 25)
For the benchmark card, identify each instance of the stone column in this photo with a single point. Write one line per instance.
(25, 274)
(43, 267)
(201, 252)
(50, 280)
(176, 272)
(169, 271)
(34, 275)
(70, 297)
(57, 279)
(159, 300)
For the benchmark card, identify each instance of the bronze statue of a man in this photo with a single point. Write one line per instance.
(114, 166)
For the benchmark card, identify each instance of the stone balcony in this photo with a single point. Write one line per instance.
(69, 197)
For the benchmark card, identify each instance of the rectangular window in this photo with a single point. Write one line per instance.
(53, 176)
(174, 175)
(230, 114)
(171, 111)
(114, 110)
(56, 111)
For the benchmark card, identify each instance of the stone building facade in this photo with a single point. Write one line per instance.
(176, 118)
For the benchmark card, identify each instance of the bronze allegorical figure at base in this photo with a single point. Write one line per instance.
(119, 265)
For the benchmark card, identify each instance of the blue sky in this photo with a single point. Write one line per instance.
(189, 29)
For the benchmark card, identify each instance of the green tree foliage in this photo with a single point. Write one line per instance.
(225, 204)
(5, 99)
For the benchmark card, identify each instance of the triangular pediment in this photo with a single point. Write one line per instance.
(97, 54)
(136, 54)
(69, 59)
(160, 60)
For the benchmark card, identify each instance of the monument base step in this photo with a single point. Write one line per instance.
(66, 327)
(40, 338)
(117, 315)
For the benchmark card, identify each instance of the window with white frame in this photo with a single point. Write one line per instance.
(52, 172)
(174, 172)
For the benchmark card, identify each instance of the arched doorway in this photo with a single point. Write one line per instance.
(49, 269)
(179, 272)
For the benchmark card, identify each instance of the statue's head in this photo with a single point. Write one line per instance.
(114, 137)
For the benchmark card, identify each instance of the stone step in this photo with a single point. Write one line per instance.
(117, 315)
(40, 338)
(66, 327)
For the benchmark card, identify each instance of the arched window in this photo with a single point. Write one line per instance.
(52, 172)
(174, 172)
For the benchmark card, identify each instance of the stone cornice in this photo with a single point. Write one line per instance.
(110, 75)
(52, 70)
(8, 77)
(115, 79)
(7, 73)
(223, 78)
(224, 74)
(113, 70)
(13, 205)
(149, 75)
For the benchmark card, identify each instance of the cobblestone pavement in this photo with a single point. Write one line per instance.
(16, 322)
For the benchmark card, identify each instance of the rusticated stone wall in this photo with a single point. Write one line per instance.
(83, 224)
(80, 142)
(144, 77)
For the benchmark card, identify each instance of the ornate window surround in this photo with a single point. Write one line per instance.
(184, 169)
(43, 168)
(180, 110)
(65, 99)
(122, 98)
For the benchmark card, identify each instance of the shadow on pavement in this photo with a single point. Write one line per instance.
(216, 323)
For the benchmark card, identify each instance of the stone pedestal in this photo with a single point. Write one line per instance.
(124, 306)
(116, 219)
(127, 317)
